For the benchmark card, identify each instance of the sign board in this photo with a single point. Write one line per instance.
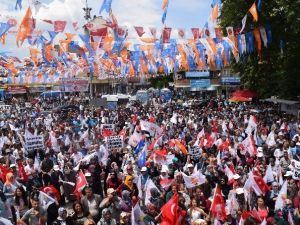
(197, 74)
(17, 89)
(74, 85)
(231, 80)
(114, 142)
(296, 173)
(5, 107)
(34, 142)
(28, 104)
(37, 89)
(110, 127)
(198, 85)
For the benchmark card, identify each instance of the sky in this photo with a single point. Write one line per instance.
(147, 13)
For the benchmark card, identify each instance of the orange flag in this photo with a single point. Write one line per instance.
(34, 55)
(3, 39)
(11, 67)
(181, 146)
(212, 45)
(165, 3)
(214, 13)
(253, 11)
(48, 52)
(26, 27)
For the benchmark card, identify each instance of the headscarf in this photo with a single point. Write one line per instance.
(126, 182)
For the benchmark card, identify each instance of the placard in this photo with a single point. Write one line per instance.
(110, 127)
(296, 173)
(34, 143)
(5, 107)
(74, 85)
(114, 142)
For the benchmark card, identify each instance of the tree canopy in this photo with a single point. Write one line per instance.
(277, 73)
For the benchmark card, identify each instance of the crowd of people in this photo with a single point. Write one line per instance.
(168, 164)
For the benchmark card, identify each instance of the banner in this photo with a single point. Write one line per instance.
(114, 142)
(74, 85)
(296, 174)
(109, 127)
(34, 142)
(5, 107)
(149, 127)
(134, 139)
(17, 89)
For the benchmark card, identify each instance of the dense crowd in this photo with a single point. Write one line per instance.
(169, 164)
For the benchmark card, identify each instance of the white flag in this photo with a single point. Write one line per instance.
(5, 221)
(269, 178)
(243, 23)
(45, 200)
(137, 215)
(279, 204)
(194, 180)
(263, 35)
(271, 139)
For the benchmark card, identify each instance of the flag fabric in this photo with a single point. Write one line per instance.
(166, 34)
(45, 200)
(38, 5)
(59, 25)
(153, 31)
(164, 16)
(244, 20)
(145, 191)
(259, 5)
(51, 189)
(269, 178)
(5, 221)
(26, 27)
(271, 139)
(279, 204)
(181, 147)
(181, 33)
(139, 146)
(137, 215)
(4, 27)
(140, 31)
(165, 4)
(290, 218)
(263, 35)
(252, 124)
(249, 145)
(214, 13)
(80, 183)
(196, 179)
(18, 4)
(22, 173)
(48, 21)
(196, 33)
(169, 210)
(106, 6)
(166, 183)
(142, 158)
(75, 26)
(218, 205)
(253, 12)
(256, 182)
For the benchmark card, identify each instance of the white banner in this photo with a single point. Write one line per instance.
(114, 142)
(74, 85)
(34, 142)
(149, 127)
(296, 174)
(5, 107)
(134, 139)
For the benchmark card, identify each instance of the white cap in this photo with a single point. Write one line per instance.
(144, 169)
(236, 176)
(12, 165)
(87, 174)
(56, 168)
(190, 165)
(260, 149)
(260, 154)
(240, 191)
(110, 191)
(288, 174)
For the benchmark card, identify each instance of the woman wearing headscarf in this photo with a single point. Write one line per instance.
(106, 218)
(126, 203)
(129, 186)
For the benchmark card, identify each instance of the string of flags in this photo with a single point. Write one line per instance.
(109, 50)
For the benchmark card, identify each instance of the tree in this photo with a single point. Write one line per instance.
(277, 73)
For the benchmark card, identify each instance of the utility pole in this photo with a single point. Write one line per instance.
(87, 16)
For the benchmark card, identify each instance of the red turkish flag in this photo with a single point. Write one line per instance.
(59, 26)
(81, 183)
(196, 32)
(140, 31)
(102, 32)
(218, 205)
(260, 182)
(107, 133)
(166, 34)
(169, 211)
(53, 190)
(22, 173)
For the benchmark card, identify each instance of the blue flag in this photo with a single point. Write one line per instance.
(142, 157)
(258, 5)
(4, 27)
(106, 5)
(139, 147)
(250, 42)
(52, 35)
(164, 16)
(18, 4)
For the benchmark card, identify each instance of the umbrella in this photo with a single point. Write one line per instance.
(239, 99)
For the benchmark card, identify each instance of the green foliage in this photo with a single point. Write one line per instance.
(161, 81)
(278, 72)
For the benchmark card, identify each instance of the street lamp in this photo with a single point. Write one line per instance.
(87, 16)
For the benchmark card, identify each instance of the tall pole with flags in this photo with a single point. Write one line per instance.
(87, 16)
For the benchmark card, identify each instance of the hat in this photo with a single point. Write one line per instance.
(288, 174)
(260, 149)
(87, 174)
(164, 170)
(240, 191)
(12, 165)
(190, 165)
(144, 169)
(260, 155)
(56, 168)
(110, 191)
(236, 176)
(280, 134)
